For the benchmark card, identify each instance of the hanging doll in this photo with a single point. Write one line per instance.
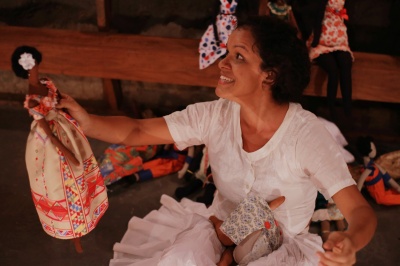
(330, 50)
(213, 42)
(279, 9)
(65, 181)
(250, 231)
(380, 185)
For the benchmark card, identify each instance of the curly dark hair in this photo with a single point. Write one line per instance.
(16, 55)
(281, 52)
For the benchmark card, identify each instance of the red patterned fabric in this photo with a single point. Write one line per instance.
(69, 199)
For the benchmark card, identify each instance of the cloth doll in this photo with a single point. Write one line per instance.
(213, 42)
(325, 212)
(329, 48)
(279, 9)
(119, 161)
(380, 185)
(126, 165)
(252, 228)
(198, 175)
(66, 185)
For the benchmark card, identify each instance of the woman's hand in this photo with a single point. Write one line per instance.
(341, 247)
(75, 110)
(339, 250)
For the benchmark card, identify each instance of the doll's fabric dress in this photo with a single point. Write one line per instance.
(69, 199)
(334, 31)
(378, 187)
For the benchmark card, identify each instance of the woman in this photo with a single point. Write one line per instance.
(259, 141)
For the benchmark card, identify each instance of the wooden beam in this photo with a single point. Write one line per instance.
(102, 12)
(103, 9)
(376, 77)
(108, 55)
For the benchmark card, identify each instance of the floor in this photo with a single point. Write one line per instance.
(23, 242)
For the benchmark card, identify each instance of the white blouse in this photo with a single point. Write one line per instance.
(300, 158)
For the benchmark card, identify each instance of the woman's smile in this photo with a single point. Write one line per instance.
(225, 80)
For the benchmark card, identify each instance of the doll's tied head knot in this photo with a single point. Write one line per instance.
(23, 59)
(26, 61)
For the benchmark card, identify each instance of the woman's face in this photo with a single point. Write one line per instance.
(241, 77)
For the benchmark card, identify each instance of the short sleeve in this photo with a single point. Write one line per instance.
(191, 126)
(321, 159)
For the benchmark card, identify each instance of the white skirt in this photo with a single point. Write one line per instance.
(180, 234)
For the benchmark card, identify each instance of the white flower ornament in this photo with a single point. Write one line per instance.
(26, 61)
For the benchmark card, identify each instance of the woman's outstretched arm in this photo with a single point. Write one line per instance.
(341, 247)
(118, 129)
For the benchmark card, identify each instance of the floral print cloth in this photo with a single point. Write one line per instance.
(251, 215)
(334, 31)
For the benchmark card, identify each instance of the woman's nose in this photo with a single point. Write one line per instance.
(224, 63)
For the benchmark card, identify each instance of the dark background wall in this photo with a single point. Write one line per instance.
(374, 26)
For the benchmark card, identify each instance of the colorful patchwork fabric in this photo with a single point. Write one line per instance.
(251, 215)
(213, 42)
(118, 161)
(168, 161)
(148, 161)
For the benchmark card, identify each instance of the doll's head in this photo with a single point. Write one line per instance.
(23, 59)
(366, 146)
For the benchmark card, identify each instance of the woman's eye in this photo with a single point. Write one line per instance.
(239, 57)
